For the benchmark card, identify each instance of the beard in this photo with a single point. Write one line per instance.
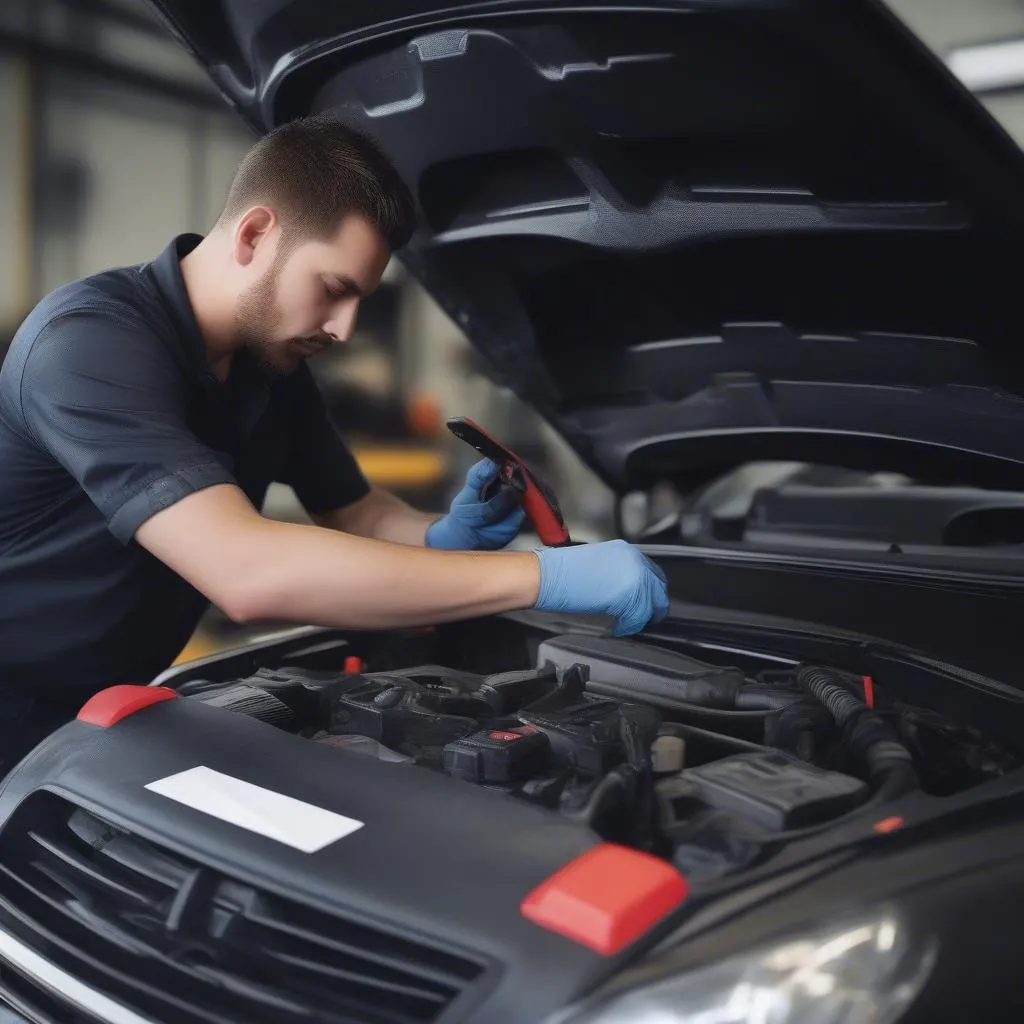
(256, 319)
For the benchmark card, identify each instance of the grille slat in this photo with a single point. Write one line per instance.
(351, 977)
(142, 859)
(81, 914)
(69, 954)
(331, 948)
(89, 875)
(127, 917)
(99, 920)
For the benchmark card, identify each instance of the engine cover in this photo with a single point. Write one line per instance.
(411, 827)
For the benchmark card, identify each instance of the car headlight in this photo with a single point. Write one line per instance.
(867, 971)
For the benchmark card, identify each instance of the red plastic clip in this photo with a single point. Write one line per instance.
(869, 691)
(109, 706)
(607, 897)
(890, 824)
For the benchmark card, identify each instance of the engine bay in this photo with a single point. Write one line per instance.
(710, 766)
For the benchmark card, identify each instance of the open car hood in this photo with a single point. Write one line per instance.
(690, 234)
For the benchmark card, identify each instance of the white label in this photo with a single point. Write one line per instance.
(297, 824)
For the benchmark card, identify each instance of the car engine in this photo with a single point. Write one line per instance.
(706, 765)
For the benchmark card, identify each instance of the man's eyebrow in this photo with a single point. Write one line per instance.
(343, 281)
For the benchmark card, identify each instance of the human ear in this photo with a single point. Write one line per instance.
(253, 229)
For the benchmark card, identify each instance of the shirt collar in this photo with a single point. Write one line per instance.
(171, 283)
(250, 384)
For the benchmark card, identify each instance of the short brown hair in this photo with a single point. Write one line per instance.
(314, 171)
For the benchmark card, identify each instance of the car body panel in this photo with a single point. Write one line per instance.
(690, 234)
(443, 866)
(392, 874)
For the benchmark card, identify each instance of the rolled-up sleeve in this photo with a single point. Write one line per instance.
(319, 466)
(106, 399)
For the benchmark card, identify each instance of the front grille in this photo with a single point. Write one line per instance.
(178, 942)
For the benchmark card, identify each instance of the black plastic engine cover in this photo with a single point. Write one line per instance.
(392, 709)
(635, 671)
(390, 872)
(498, 756)
(586, 736)
(774, 790)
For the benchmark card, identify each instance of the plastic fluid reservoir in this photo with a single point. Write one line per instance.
(668, 754)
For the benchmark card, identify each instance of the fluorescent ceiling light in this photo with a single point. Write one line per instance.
(989, 66)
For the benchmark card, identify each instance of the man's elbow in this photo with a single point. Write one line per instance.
(244, 590)
(254, 581)
(245, 602)
(240, 609)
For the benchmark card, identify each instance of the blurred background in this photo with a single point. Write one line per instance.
(113, 142)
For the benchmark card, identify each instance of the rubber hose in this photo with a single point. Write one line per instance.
(796, 728)
(899, 779)
(766, 700)
(842, 705)
(888, 761)
(612, 791)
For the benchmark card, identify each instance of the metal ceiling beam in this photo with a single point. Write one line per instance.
(81, 62)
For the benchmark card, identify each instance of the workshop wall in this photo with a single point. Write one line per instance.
(122, 174)
(113, 141)
(116, 178)
(13, 285)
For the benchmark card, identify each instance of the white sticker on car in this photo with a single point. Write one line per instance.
(293, 822)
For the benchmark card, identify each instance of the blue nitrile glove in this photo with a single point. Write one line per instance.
(475, 525)
(612, 578)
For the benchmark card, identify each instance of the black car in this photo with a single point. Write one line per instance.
(695, 236)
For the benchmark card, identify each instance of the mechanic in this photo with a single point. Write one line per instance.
(145, 410)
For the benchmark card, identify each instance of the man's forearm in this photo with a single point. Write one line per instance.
(404, 525)
(335, 579)
(380, 516)
(254, 569)
(257, 569)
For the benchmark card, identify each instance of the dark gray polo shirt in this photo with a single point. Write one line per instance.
(109, 413)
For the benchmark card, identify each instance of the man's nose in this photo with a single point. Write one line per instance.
(342, 324)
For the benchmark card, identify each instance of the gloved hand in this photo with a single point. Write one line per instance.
(612, 578)
(475, 525)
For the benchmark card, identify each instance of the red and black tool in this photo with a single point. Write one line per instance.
(539, 503)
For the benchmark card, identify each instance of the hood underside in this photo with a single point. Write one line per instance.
(690, 234)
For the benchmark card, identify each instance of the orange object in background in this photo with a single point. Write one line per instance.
(199, 646)
(423, 415)
(396, 468)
